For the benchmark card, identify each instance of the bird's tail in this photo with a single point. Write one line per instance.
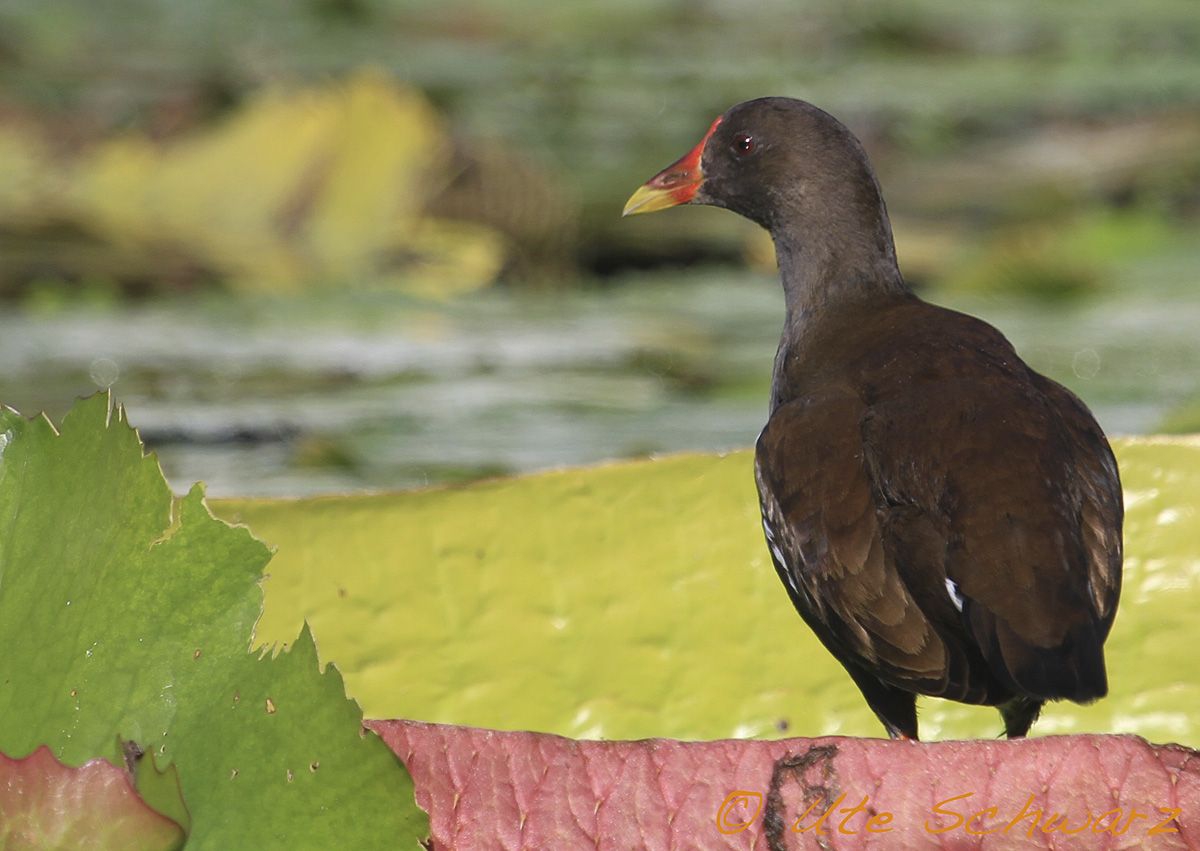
(1071, 670)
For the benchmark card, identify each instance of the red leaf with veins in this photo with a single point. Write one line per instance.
(494, 790)
(48, 806)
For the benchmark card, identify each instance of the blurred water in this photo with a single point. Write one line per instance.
(353, 391)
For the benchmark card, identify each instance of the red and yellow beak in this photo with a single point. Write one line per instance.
(674, 185)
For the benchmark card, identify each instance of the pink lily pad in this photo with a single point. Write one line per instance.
(48, 806)
(493, 790)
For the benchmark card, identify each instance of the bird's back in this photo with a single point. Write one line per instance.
(995, 501)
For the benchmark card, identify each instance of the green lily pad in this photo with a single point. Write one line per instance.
(126, 614)
(637, 599)
(49, 806)
(158, 787)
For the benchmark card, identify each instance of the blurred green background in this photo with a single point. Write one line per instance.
(358, 244)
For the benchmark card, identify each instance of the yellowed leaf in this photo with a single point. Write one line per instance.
(637, 599)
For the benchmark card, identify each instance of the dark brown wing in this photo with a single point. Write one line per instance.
(823, 524)
(1024, 490)
(960, 534)
(1101, 504)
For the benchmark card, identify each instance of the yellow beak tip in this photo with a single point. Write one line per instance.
(648, 199)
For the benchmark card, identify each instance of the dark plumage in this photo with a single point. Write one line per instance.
(945, 519)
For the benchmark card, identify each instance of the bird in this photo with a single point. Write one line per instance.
(946, 520)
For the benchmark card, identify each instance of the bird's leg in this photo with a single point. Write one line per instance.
(895, 708)
(1019, 715)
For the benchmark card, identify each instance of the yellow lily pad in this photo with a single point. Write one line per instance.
(637, 599)
(297, 188)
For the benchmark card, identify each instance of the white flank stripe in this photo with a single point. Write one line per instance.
(955, 597)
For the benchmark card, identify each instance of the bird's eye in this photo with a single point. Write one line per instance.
(743, 144)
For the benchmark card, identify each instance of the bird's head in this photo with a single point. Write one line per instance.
(780, 162)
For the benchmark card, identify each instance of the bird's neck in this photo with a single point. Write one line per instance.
(826, 284)
(823, 273)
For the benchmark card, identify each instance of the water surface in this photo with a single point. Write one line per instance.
(351, 391)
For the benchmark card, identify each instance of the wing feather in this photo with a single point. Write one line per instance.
(869, 520)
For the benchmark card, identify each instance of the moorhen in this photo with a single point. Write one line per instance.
(945, 519)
